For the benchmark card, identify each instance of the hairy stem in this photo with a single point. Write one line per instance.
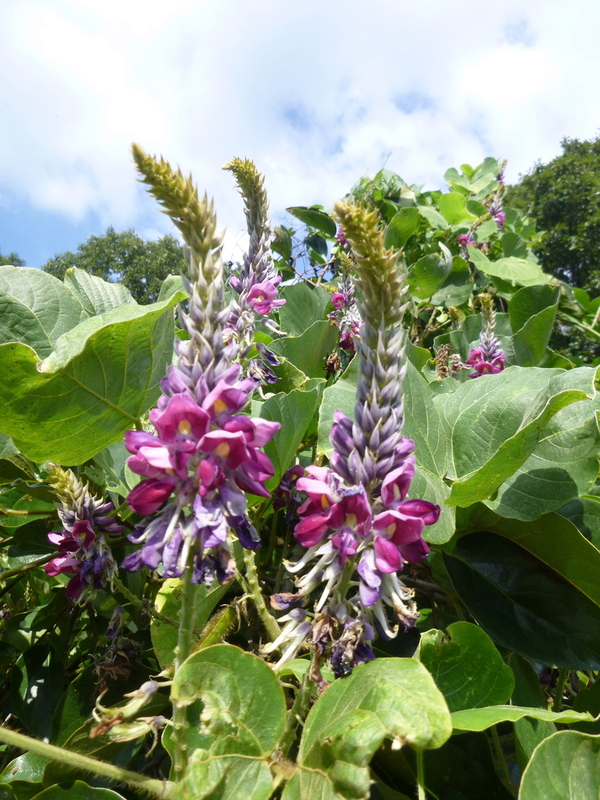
(120, 586)
(161, 789)
(252, 586)
(182, 651)
(420, 776)
(39, 562)
(296, 715)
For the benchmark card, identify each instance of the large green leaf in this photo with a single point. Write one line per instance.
(511, 454)
(341, 396)
(523, 605)
(528, 692)
(529, 301)
(35, 308)
(95, 295)
(457, 287)
(555, 541)
(453, 208)
(168, 602)
(314, 218)
(401, 227)
(565, 766)
(309, 351)
(563, 466)
(295, 411)
(584, 513)
(427, 486)
(428, 274)
(433, 217)
(389, 698)
(101, 377)
(531, 341)
(478, 719)
(466, 666)
(518, 271)
(243, 717)
(305, 304)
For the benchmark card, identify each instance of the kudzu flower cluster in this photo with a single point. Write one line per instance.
(489, 357)
(83, 552)
(356, 524)
(205, 454)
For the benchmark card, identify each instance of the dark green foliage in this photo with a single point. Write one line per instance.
(11, 258)
(126, 258)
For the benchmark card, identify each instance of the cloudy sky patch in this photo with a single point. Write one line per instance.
(316, 93)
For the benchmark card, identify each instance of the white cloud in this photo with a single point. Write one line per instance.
(316, 93)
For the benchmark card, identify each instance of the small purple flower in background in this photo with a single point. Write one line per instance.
(497, 214)
(341, 239)
(346, 316)
(489, 357)
(263, 296)
(83, 551)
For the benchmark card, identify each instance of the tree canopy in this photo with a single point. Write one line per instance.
(13, 259)
(125, 258)
(563, 197)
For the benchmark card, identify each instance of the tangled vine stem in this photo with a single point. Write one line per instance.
(160, 789)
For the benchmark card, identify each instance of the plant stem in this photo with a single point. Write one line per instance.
(161, 789)
(420, 776)
(252, 586)
(560, 688)
(120, 586)
(296, 714)
(501, 760)
(182, 651)
(39, 562)
(17, 512)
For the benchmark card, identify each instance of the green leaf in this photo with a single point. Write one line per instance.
(565, 766)
(529, 301)
(588, 699)
(35, 308)
(28, 768)
(95, 295)
(466, 666)
(168, 603)
(428, 274)
(77, 791)
(555, 541)
(242, 699)
(478, 719)
(513, 245)
(308, 351)
(563, 466)
(530, 343)
(458, 286)
(516, 270)
(314, 218)
(453, 208)
(433, 217)
(172, 284)
(401, 227)
(341, 396)
(511, 455)
(584, 513)
(282, 243)
(295, 411)
(304, 306)
(389, 698)
(427, 486)
(523, 605)
(36, 688)
(101, 377)
(243, 718)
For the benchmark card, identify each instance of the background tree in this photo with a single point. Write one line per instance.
(563, 197)
(125, 258)
(12, 258)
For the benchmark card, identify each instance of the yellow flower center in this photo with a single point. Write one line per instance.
(184, 427)
(350, 521)
(222, 450)
(220, 406)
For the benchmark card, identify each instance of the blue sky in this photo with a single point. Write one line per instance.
(316, 93)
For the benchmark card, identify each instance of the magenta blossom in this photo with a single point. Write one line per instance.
(263, 296)
(338, 300)
(482, 366)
